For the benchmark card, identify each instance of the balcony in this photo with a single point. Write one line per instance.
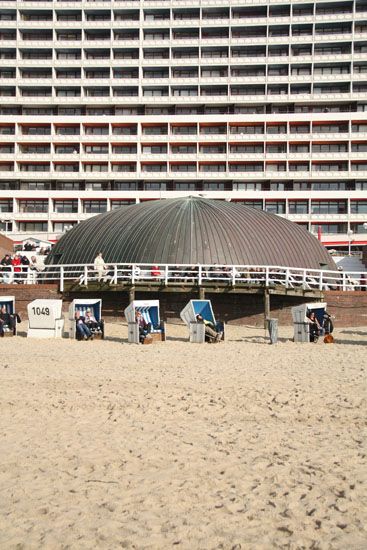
(246, 156)
(329, 217)
(30, 216)
(64, 216)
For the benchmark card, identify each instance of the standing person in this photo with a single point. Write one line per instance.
(36, 265)
(6, 268)
(16, 263)
(100, 267)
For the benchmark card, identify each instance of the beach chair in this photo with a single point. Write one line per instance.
(45, 319)
(197, 330)
(301, 325)
(150, 312)
(9, 303)
(95, 306)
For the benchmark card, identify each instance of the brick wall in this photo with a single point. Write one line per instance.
(349, 308)
(27, 293)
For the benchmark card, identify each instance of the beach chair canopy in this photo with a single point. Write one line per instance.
(148, 308)
(9, 303)
(79, 304)
(300, 313)
(197, 307)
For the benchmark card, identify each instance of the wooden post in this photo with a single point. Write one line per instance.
(131, 294)
(266, 306)
(201, 293)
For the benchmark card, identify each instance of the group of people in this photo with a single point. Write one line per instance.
(212, 334)
(15, 269)
(87, 325)
(33, 247)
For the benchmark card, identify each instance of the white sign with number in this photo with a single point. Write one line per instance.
(44, 313)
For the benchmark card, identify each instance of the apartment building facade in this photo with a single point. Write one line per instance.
(107, 103)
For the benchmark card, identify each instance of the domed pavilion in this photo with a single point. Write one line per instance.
(191, 230)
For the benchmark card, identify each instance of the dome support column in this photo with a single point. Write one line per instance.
(201, 293)
(131, 294)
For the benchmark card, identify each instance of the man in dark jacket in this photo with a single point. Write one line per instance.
(6, 320)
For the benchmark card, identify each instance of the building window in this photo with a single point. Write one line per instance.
(329, 147)
(212, 167)
(61, 227)
(67, 149)
(247, 186)
(154, 186)
(298, 207)
(34, 167)
(67, 130)
(96, 149)
(154, 149)
(96, 167)
(183, 167)
(64, 167)
(213, 186)
(33, 206)
(96, 130)
(155, 130)
(123, 167)
(184, 186)
(275, 207)
(329, 228)
(6, 205)
(358, 228)
(32, 227)
(35, 149)
(258, 204)
(121, 202)
(124, 149)
(358, 207)
(125, 186)
(66, 206)
(94, 206)
(329, 207)
(183, 149)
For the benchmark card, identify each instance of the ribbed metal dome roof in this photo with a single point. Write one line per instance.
(189, 231)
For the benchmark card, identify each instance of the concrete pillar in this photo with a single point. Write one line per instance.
(201, 293)
(266, 306)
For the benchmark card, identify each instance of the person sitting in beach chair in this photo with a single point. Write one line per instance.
(144, 327)
(315, 327)
(8, 321)
(83, 332)
(211, 335)
(92, 323)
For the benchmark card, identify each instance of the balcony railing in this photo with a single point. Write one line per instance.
(257, 276)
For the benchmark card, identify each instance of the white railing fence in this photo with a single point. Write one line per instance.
(200, 274)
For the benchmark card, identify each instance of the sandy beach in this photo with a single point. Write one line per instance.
(238, 445)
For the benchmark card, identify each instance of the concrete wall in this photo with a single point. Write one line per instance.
(349, 308)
